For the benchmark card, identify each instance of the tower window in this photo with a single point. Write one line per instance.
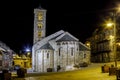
(39, 34)
(40, 24)
(40, 16)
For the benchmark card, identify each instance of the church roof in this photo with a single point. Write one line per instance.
(44, 41)
(59, 36)
(66, 37)
(39, 7)
(46, 46)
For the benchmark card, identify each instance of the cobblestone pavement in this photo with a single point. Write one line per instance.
(93, 72)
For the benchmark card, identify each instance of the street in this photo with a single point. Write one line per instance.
(92, 72)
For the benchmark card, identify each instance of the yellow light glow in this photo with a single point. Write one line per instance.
(40, 16)
(111, 36)
(39, 34)
(40, 24)
(118, 9)
(118, 44)
(88, 44)
(109, 24)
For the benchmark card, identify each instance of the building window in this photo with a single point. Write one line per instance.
(59, 51)
(71, 51)
(47, 55)
(77, 49)
(84, 55)
(40, 25)
(0, 62)
(40, 15)
(39, 33)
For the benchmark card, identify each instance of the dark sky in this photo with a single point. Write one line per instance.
(78, 17)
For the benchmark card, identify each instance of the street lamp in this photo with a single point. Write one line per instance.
(114, 44)
(113, 24)
(28, 51)
(115, 33)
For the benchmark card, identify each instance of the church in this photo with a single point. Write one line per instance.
(57, 51)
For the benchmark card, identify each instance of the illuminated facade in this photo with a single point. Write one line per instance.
(106, 38)
(22, 61)
(60, 49)
(39, 24)
(102, 49)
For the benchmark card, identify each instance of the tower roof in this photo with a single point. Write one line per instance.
(39, 7)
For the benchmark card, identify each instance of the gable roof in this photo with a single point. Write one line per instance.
(1, 49)
(46, 46)
(46, 39)
(59, 36)
(66, 37)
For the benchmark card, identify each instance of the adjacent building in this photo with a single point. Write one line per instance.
(102, 44)
(6, 57)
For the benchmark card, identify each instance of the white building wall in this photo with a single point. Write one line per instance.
(81, 53)
(76, 53)
(55, 60)
(67, 56)
(39, 62)
(43, 61)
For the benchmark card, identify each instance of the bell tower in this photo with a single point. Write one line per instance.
(39, 24)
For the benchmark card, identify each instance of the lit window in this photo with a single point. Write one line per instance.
(40, 25)
(39, 34)
(40, 16)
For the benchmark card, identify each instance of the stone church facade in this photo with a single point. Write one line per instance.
(60, 49)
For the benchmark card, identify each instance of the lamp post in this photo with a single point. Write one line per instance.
(115, 15)
(114, 23)
(114, 44)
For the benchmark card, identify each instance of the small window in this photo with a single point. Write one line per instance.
(84, 55)
(47, 55)
(0, 62)
(40, 25)
(71, 51)
(59, 51)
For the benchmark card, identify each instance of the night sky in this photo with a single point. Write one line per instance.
(78, 17)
